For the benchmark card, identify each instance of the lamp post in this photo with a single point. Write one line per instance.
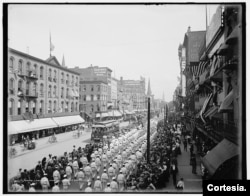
(148, 133)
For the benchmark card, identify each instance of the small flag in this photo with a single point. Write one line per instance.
(52, 47)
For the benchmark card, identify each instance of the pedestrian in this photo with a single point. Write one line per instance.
(32, 187)
(180, 184)
(98, 184)
(65, 183)
(185, 145)
(104, 179)
(108, 189)
(174, 171)
(68, 171)
(56, 188)
(194, 164)
(114, 185)
(80, 177)
(88, 189)
(56, 175)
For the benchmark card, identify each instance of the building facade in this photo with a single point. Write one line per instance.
(114, 92)
(93, 97)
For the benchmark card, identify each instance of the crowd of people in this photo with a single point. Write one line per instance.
(121, 166)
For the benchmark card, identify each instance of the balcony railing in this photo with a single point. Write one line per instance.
(28, 74)
(12, 91)
(27, 93)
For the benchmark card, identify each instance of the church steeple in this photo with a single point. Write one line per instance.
(149, 93)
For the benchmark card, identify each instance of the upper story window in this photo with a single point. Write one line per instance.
(84, 88)
(62, 92)
(50, 73)
(41, 90)
(20, 66)
(11, 66)
(92, 87)
(49, 92)
(54, 79)
(92, 97)
(35, 69)
(73, 80)
(98, 88)
(62, 77)
(41, 73)
(76, 81)
(28, 68)
(67, 79)
(11, 86)
(84, 97)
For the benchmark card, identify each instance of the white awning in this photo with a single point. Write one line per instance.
(98, 115)
(219, 154)
(226, 104)
(68, 120)
(117, 113)
(23, 126)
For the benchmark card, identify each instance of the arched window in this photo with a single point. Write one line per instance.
(20, 87)
(67, 107)
(11, 65)
(41, 90)
(20, 66)
(92, 108)
(62, 77)
(11, 86)
(50, 106)
(11, 107)
(62, 93)
(41, 107)
(92, 97)
(67, 93)
(76, 81)
(50, 75)
(55, 76)
(72, 107)
(62, 106)
(98, 88)
(92, 87)
(35, 89)
(67, 79)
(54, 110)
(49, 92)
(28, 69)
(27, 88)
(54, 91)
(33, 106)
(27, 106)
(41, 73)
(76, 107)
(19, 107)
(73, 80)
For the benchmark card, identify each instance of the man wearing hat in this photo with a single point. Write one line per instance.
(114, 185)
(121, 181)
(108, 189)
(56, 188)
(56, 175)
(65, 183)
(87, 171)
(75, 166)
(45, 183)
(104, 179)
(88, 189)
(68, 171)
(80, 177)
(111, 172)
(98, 184)
(32, 187)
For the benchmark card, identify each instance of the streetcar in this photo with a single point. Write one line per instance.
(104, 130)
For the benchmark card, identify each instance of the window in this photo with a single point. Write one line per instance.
(50, 107)
(28, 69)
(11, 66)
(19, 104)
(92, 87)
(20, 87)
(54, 79)
(98, 88)
(62, 78)
(54, 110)
(84, 88)
(62, 92)
(67, 93)
(62, 106)
(35, 70)
(11, 107)
(35, 89)
(67, 79)
(98, 107)
(49, 92)
(54, 91)
(20, 67)
(41, 107)
(67, 107)
(41, 90)
(92, 97)
(98, 97)
(50, 75)
(76, 107)
(73, 80)
(11, 86)
(27, 107)
(72, 107)
(92, 108)
(33, 105)
(27, 88)
(76, 81)
(41, 73)
(84, 97)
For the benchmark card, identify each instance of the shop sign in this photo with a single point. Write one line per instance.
(214, 25)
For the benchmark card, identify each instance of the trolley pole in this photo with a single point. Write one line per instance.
(148, 133)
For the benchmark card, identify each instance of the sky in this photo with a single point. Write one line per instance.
(132, 40)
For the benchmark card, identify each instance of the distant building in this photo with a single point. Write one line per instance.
(114, 92)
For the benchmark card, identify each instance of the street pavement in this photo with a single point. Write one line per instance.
(193, 182)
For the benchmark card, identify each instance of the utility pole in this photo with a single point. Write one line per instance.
(148, 133)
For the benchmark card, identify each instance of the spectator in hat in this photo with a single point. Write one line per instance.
(56, 175)
(121, 181)
(65, 183)
(68, 171)
(45, 183)
(75, 166)
(111, 172)
(108, 189)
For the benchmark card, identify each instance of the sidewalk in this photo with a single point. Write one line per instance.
(193, 182)
(43, 142)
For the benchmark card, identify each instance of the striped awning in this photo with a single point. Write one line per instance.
(201, 68)
(194, 69)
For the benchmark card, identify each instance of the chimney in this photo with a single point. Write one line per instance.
(121, 78)
(189, 29)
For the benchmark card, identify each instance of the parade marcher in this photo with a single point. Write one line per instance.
(111, 172)
(174, 171)
(84, 161)
(98, 164)
(114, 185)
(15, 186)
(98, 184)
(104, 161)
(88, 188)
(104, 179)
(65, 183)
(121, 181)
(56, 188)
(32, 187)
(45, 183)
(93, 170)
(194, 164)
(87, 171)
(108, 189)
(80, 177)
(68, 172)
(185, 145)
